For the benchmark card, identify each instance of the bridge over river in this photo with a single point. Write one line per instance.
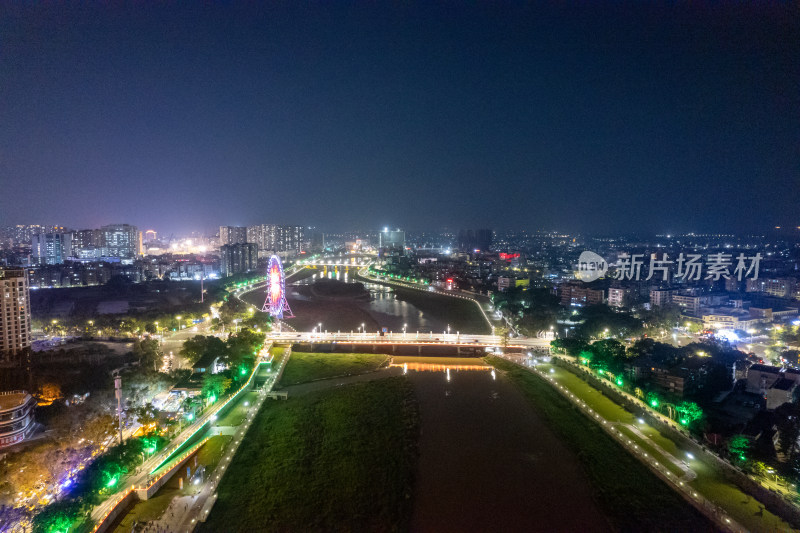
(457, 341)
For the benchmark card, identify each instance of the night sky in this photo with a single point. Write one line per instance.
(354, 115)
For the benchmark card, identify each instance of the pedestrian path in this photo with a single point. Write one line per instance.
(688, 473)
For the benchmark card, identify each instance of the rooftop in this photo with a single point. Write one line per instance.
(765, 368)
(783, 384)
(10, 400)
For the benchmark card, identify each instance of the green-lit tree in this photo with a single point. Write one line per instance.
(59, 517)
(609, 354)
(571, 346)
(688, 412)
(586, 357)
(215, 385)
(739, 448)
(243, 347)
(653, 400)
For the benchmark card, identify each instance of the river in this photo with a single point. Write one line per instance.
(489, 463)
(387, 307)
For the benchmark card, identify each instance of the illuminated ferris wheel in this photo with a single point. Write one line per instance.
(276, 304)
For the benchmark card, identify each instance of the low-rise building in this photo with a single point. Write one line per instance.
(505, 282)
(732, 318)
(689, 303)
(779, 287)
(782, 391)
(777, 385)
(576, 293)
(677, 381)
(616, 296)
(660, 297)
(16, 417)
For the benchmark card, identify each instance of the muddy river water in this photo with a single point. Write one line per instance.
(489, 463)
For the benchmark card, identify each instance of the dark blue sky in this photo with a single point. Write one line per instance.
(615, 117)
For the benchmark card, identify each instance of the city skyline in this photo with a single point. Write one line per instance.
(398, 266)
(610, 118)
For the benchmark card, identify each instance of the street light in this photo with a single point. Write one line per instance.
(772, 471)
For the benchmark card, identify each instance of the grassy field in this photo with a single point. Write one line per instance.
(632, 497)
(341, 459)
(710, 481)
(277, 352)
(304, 367)
(152, 509)
(462, 315)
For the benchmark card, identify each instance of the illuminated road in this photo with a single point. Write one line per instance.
(142, 475)
(199, 506)
(174, 342)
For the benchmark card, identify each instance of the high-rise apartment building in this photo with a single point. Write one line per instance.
(87, 244)
(469, 240)
(23, 233)
(232, 235)
(15, 316)
(291, 239)
(275, 238)
(86, 239)
(51, 248)
(119, 240)
(238, 258)
(392, 239)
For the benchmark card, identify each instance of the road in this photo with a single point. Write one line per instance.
(174, 341)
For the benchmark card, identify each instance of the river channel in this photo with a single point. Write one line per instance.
(386, 307)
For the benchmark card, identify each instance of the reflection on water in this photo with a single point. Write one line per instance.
(433, 367)
(390, 312)
(487, 462)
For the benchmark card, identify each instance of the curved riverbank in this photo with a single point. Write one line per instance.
(389, 307)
